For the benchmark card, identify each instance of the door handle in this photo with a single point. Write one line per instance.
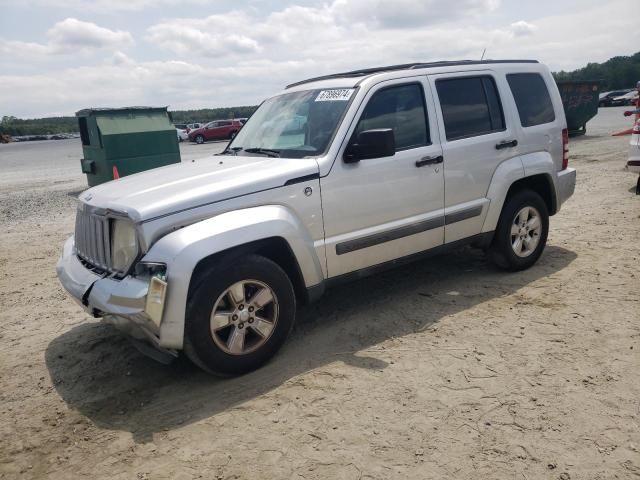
(507, 144)
(429, 161)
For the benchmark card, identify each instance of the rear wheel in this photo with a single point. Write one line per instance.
(522, 232)
(232, 135)
(239, 315)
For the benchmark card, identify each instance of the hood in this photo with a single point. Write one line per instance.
(166, 190)
(193, 131)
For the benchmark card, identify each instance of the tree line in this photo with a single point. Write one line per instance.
(616, 73)
(14, 127)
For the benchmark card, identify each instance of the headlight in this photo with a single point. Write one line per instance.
(124, 245)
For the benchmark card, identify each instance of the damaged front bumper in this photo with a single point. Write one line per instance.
(134, 305)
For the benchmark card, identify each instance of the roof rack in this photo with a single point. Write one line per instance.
(406, 66)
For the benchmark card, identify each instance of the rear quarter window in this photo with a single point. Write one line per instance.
(532, 98)
(470, 106)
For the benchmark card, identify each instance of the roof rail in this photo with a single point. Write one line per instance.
(406, 66)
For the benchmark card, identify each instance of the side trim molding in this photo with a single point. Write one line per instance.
(481, 240)
(389, 235)
(406, 231)
(463, 215)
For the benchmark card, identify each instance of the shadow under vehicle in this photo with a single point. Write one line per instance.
(97, 372)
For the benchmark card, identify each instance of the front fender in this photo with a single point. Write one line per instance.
(183, 249)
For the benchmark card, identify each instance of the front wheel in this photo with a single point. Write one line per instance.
(522, 232)
(239, 315)
(199, 139)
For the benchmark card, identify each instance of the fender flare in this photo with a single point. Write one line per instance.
(509, 172)
(183, 249)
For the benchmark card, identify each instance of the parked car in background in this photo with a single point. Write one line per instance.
(629, 98)
(182, 134)
(606, 98)
(334, 178)
(216, 130)
(181, 126)
(193, 126)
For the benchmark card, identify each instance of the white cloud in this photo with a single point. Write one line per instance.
(101, 5)
(243, 56)
(522, 28)
(121, 81)
(297, 27)
(403, 13)
(189, 40)
(24, 50)
(70, 36)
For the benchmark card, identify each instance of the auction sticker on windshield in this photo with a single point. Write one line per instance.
(335, 95)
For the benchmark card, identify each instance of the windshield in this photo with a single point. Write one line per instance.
(293, 125)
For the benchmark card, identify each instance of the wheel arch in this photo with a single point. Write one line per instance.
(273, 231)
(534, 171)
(276, 249)
(541, 184)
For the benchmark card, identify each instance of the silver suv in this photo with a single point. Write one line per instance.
(333, 178)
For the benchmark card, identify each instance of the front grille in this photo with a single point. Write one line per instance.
(92, 239)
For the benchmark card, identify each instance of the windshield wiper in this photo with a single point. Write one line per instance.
(265, 151)
(229, 151)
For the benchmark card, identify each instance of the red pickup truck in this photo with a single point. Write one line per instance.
(216, 130)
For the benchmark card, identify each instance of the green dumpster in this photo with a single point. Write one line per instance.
(120, 141)
(580, 101)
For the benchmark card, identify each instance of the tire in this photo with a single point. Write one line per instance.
(199, 139)
(210, 341)
(232, 135)
(503, 251)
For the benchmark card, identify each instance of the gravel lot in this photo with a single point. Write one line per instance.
(446, 368)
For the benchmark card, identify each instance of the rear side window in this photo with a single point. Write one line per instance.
(402, 109)
(532, 98)
(470, 106)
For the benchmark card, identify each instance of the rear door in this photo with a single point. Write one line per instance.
(225, 129)
(380, 209)
(476, 138)
(211, 130)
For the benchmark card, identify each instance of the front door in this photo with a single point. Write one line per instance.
(380, 209)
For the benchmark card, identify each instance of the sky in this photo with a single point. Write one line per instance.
(59, 56)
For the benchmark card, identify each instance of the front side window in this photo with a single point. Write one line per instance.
(401, 109)
(470, 106)
(532, 98)
(294, 125)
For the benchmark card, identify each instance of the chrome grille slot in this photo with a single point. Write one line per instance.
(92, 239)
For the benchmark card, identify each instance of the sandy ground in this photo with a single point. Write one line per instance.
(446, 368)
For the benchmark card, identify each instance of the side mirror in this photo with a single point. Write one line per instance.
(376, 143)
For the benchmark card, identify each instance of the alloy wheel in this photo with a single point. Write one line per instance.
(525, 231)
(244, 317)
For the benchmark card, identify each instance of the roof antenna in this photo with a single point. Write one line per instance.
(483, 52)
